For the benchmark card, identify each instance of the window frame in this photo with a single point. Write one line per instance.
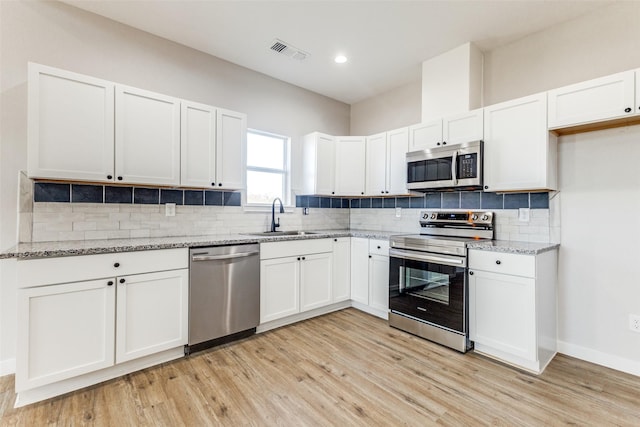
(285, 171)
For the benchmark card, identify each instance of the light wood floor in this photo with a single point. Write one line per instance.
(345, 368)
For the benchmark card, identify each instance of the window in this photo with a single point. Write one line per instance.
(267, 168)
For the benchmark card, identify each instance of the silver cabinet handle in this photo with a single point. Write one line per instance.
(222, 257)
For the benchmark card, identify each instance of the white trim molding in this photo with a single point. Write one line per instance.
(7, 367)
(599, 358)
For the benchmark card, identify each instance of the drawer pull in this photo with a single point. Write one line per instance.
(498, 262)
(116, 265)
(471, 273)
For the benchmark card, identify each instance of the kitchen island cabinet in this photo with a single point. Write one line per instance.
(512, 307)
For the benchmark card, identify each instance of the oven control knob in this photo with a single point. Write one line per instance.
(485, 217)
(433, 216)
(425, 216)
(474, 217)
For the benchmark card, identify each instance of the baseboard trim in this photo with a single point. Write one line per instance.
(618, 363)
(7, 367)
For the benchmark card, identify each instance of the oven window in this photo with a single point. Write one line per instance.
(432, 285)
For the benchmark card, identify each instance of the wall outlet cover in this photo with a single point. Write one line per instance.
(523, 214)
(170, 209)
(634, 322)
(398, 212)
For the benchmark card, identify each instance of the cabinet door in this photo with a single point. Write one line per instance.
(279, 284)
(147, 137)
(425, 135)
(464, 127)
(519, 154)
(70, 125)
(595, 100)
(197, 145)
(379, 282)
(397, 147)
(325, 163)
(231, 144)
(152, 313)
(315, 281)
(360, 270)
(350, 165)
(341, 268)
(502, 313)
(64, 331)
(376, 164)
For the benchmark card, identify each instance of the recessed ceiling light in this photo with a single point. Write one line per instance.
(340, 59)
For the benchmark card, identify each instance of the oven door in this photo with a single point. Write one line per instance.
(429, 287)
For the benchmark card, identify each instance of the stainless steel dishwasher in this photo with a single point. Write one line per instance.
(224, 294)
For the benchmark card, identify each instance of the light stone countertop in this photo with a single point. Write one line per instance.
(92, 247)
(508, 246)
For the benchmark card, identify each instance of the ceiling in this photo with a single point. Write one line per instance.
(385, 41)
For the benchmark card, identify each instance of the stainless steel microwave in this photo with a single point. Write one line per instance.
(456, 166)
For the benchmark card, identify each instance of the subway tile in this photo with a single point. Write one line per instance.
(194, 197)
(118, 194)
(417, 202)
(325, 202)
(345, 203)
(81, 193)
(389, 203)
(451, 200)
(403, 202)
(171, 196)
(355, 204)
(336, 203)
(301, 202)
(539, 200)
(146, 196)
(491, 201)
(517, 200)
(314, 201)
(433, 201)
(213, 198)
(365, 203)
(232, 198)
(470, 200)
(50, 192)
(376, 202)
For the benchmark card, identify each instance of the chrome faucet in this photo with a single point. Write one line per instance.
(275, 224)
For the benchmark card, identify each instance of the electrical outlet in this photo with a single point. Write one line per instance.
(170, 209)
(398, 212)
(634, 322)
(523, 214)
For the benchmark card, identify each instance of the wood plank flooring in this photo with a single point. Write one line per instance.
(345, 368)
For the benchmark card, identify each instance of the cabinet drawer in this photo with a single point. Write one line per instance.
(47, 271)
(505, 263)
(378, 247)
(295, 247)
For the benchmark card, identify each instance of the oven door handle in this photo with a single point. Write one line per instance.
(401, 284)
(454, 168)
(454, 261)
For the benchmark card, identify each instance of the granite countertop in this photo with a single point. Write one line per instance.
(92, 247)
(508, 246)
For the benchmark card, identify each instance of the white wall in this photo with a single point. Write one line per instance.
(598, 277)
(62, 36)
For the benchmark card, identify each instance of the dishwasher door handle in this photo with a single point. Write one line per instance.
(222, 257)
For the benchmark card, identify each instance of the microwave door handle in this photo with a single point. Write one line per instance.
(454, 168)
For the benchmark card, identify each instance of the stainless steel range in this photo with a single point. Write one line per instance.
(428, 276)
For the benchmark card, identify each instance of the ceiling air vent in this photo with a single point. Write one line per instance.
(287, 50)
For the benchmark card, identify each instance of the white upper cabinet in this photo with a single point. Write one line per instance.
(318, 164)
(519, 152)
(198, 145)
(230, 149)
(596, 100)
(455, 129)
(349, 165)
(425, 135)
(147, 137)
(70, 125)
(463, 127)
(386, 162)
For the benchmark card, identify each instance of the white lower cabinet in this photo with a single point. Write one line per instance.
(512, 307)
(370, 275)
(70, 328)
(341, 268)
(295, 276)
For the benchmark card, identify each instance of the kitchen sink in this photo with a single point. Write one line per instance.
(283, 233)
